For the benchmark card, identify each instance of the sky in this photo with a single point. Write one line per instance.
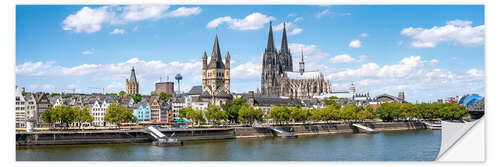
(426, 51)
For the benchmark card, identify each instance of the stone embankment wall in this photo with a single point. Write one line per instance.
(141, 136)
(116, 136)
(64, 138)
(328, 129)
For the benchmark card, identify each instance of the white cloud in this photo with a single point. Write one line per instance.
(460, 23)
(343, 58)
(118, 31)
(88, 52)
(322, 13)
(355, 44)
(402, 69)
(247, 70)
(136, 28)
(298, 19)
(296, 31)
(143, 12)
(363, 35)
(458, 31)
(362, 58)
(253, 21)
(475, 72)
(415, 76)
(116, 85)
(147, 69)
(90, 20)
(41, 88)
(87, 20)
(311, 52)
(184, 12)
(344, 14)
(291, 28)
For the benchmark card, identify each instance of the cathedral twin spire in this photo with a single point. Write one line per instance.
(275, 64)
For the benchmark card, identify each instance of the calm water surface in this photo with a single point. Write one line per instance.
(418, 145)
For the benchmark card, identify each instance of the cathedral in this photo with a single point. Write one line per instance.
(216, 77)
(279, 79)
(132, 86)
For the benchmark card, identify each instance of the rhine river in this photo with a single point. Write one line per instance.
(415, 145)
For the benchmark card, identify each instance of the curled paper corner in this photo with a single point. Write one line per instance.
(451, 133)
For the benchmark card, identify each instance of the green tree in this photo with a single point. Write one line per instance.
(121, 93)
(210, 114)
(115, 113)
(195, 116)
(233, 108)
(83, 115)
(154, 94)
(245, 114)
(407, 111)
(315, 115)
(54, 94)
(388, 111)
(365, 113)
(279, 114)
(136, 97)
(332, 101)
(111, 94)
(165, 96)
(49, 116)
(451, 111)
(299, 114)
(349, 112)
(183, 111)
(64, 114)
(220, 115)
(248, 115)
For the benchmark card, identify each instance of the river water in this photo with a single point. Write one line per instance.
(416, 145)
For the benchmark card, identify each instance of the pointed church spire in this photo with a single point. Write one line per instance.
(284, 41)
(216, 49)
(132, 76)
(270, 41)
(301, 67)
(216, 59)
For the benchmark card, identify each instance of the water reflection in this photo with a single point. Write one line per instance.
(395, 146)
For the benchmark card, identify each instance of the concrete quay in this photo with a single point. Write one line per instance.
(190, 134)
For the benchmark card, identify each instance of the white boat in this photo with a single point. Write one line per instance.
(436, 126)
(168, 142)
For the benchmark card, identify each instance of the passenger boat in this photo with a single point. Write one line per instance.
(168, 142)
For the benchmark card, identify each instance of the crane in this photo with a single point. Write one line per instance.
(95, 88)
(73, 89)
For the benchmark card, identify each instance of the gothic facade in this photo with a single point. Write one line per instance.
(279, 79)
(216, 77)
(132, 86)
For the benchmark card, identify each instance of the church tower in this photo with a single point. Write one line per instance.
(271, 68)
(284, 54)
(132, 86)
(301, 64)
(216, 75)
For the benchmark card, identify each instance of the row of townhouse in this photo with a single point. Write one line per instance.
(30, 106)
(154, 109)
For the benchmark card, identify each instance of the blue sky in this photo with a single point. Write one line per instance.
(428, 52)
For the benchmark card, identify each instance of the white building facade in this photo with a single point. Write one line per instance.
(20, 109)
(98, 110)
